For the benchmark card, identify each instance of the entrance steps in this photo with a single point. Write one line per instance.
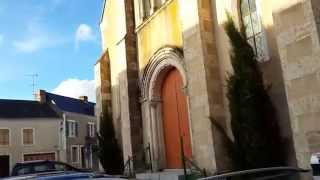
(167, 174)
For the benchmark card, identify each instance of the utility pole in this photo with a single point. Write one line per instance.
(33, 76)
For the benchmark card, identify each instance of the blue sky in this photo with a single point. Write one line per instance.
(57, 39)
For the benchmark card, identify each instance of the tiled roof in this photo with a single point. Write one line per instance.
(25, 109)
(69, 104)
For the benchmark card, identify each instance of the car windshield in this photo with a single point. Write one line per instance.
(42, 167)
(24, 170)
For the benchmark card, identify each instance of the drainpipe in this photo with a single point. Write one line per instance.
(64, 137)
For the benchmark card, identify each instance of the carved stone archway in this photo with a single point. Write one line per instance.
(150, 83)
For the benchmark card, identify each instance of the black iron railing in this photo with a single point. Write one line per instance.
(148, 150)
(189, 166)
(271, 173)
(128, 166)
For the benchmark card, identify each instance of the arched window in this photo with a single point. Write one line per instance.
(253, 26)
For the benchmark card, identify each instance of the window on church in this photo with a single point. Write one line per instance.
(148, 7)
(146, 4)
(253, 28)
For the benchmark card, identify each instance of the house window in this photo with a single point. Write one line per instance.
(72, 128)
(28, 136)
(4, 137)
(91, 130)
(253, 28)
(74, 154)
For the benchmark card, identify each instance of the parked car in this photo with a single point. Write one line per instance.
(33, 167)
(315, 164)
(68, 175)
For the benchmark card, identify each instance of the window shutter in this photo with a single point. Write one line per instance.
(88, 130)
(94, 130)
(67, 128)
(77, 127)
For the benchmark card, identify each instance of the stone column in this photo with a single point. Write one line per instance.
(132, 76)
(103, 86)
(204, 84)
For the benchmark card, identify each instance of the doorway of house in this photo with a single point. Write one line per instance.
(175, 120)
(83, 157)
(4, 166)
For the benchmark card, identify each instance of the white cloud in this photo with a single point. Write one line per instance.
(83, 33)
(31, 44)
(36, 38)
(75, 88)
(1, 38)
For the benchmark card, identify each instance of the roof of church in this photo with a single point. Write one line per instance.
(69, 104)
(25, 109)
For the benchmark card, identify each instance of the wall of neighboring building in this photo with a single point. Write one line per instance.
(82, 137)
(47, 139)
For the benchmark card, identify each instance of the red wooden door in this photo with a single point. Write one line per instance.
(175, 119)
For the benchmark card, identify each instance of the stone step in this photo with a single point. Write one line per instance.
(167, 174)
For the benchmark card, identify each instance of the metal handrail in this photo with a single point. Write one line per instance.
(128, 166)
(192, 164)
(148, 149)
(129, 163)
(256, 171)
(186, 161)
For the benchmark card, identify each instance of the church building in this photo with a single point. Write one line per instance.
(163, 69)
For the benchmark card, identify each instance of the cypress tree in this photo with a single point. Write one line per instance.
(257, 141)
(110, 155)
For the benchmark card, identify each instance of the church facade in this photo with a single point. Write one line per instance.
(164, 67)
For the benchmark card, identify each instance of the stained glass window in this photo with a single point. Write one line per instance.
(253, 28)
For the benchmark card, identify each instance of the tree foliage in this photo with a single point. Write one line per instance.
(110, 155)
(257, 141)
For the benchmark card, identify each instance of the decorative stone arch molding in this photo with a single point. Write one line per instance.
(160, 63)
(151, 79)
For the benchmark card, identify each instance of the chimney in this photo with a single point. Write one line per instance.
(84, 98)
(41, 96)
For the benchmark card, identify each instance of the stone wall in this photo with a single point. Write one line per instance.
(298, 41)
(103, 86)
(133, 88)
(119, 39)
(204, 87)
(271, 68)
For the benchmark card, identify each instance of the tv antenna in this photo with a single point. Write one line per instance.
(34, 77)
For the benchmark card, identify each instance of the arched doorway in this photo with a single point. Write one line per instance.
(175, 119)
